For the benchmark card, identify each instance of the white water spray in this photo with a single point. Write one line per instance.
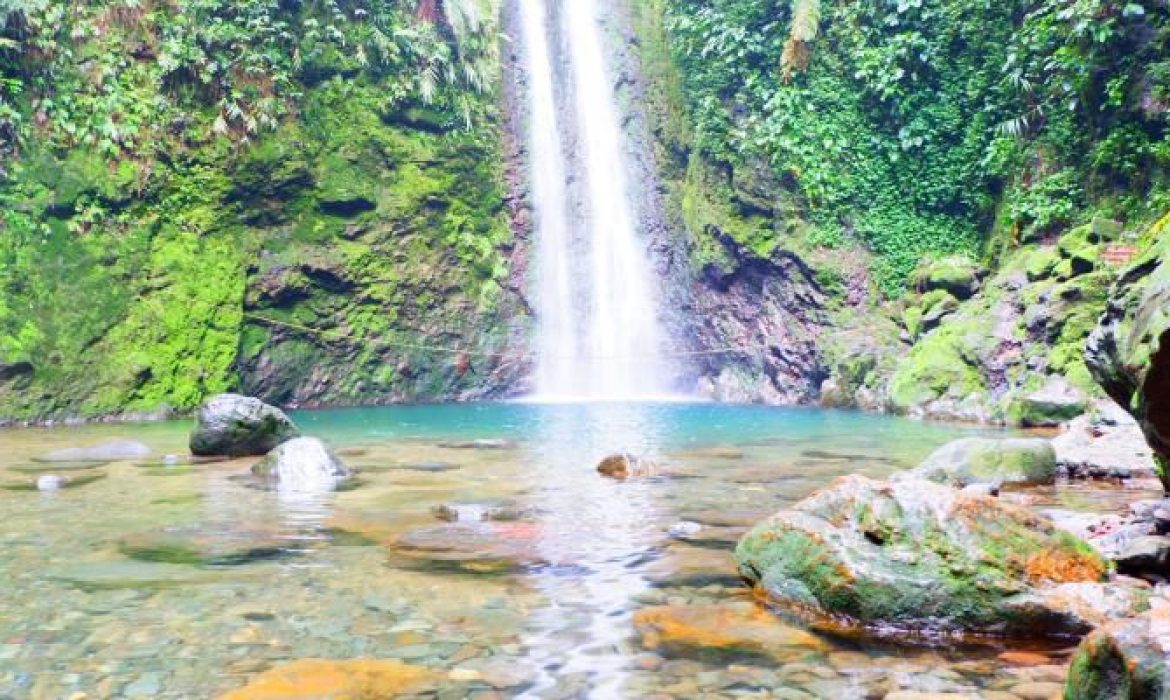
(599, 332)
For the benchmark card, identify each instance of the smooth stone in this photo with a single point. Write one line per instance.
(130, 574)
(112, 451)
(990, 461)
(148, 685)
(482, 547)
(1145, 554)
(49, 482)
(728, 629)
(312, 679)
(302, 464)
(198, 547)
(237, 426)
(1052, 405)
(1103, 445)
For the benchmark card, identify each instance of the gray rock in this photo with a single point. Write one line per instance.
(1056, 403)
(1144, 554)
(989, 461)
(1106, 444)
(112, 451)
(302, 463)
(230, 424)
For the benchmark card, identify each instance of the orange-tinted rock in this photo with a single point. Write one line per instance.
(742, 628)
(1024, 658)
(319, 679)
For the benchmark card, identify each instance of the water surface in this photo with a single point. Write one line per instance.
(535, 604)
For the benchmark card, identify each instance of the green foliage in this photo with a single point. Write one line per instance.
(913, 115)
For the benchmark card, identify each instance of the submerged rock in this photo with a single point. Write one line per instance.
(302, 463)
(310, 679)
(1124, 660)
(914, 555)
(990, 461)
(740, 629)
(1129, 351)
(483, 444)
(235, 425)
(112, 451)
(198, 547)
(482, 547)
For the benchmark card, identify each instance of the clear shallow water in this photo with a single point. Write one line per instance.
(537, 604)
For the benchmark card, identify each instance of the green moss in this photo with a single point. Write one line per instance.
(940, 366)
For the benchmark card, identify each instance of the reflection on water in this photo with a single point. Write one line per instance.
(595, 525)
(506, 566)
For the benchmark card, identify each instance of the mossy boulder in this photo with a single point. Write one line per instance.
(990, 461)
(1128, 353)
(1041, 264)
(943, 365)
(913, 555)
(1124, 660)
(1055, 403)
(235, 425)
(955, 274)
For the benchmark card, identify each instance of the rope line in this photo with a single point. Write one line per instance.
(480, 353)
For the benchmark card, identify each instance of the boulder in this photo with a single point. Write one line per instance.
(302, 464)
(990, 461)
(1051, 406)
(1128, 353)
(913, 555)
(1103, 445)
(111, 451)
(956, 274)
(234, 425)
(1124, 660)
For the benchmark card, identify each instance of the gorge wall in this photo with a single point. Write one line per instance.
(911, 207)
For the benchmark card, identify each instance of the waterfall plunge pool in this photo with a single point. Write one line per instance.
(478, 543)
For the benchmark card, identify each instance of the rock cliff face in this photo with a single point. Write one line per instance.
(1129, 351)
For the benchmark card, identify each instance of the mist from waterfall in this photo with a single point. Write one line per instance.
(599, 336)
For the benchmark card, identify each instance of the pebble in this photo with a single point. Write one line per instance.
(464, 675)
(148, 685)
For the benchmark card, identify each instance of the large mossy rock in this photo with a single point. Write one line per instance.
(990, 461)
(1055, 403)
(1124, 660)
(913, 555)
(235, 425)
(1129, 351)
(957, 275)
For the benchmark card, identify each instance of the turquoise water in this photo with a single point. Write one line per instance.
(187, 581)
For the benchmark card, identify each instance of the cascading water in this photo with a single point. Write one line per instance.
(599, 336)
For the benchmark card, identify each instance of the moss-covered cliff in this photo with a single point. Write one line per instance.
(302, 201)
(883, 149)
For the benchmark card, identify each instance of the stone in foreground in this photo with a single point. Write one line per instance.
(1124, 660)
(313, 679)
(302, 463)
(236, 426)
(989, 461)
(912, 555)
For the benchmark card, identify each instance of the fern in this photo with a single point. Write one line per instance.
(806, 20)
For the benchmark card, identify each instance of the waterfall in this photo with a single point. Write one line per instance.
(599, 336)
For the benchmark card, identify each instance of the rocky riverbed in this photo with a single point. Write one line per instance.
(485, 558)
